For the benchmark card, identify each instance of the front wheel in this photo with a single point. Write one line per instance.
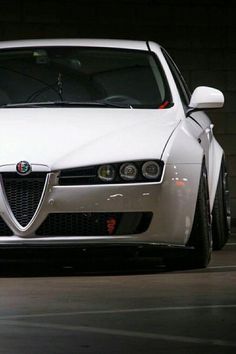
(221, 211)
(201, 236)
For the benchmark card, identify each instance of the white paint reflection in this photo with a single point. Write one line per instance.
(118, 195)
(187, 227)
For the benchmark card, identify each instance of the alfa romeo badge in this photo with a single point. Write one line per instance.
(23, 168)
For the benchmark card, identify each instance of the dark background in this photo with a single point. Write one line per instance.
(200, 36)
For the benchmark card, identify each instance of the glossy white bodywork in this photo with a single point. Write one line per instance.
(60, 138)
(206, 97)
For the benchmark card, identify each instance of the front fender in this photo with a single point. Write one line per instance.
(216, 154)
(183, 147)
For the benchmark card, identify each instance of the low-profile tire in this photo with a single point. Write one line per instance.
(200, 239)
(201, 234)
(221, 211)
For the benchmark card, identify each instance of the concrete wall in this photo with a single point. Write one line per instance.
(200, 35)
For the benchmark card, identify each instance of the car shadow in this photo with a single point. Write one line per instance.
(36, 265)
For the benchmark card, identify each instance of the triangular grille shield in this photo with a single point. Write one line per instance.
(23, 194)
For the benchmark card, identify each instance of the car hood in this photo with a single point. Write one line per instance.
(69, 137)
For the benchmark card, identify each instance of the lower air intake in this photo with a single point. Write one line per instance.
(94, 224)
(4, 229)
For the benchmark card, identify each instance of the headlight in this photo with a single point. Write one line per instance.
(128, 171)
(106, 173)
(151, 170)
(138, 171)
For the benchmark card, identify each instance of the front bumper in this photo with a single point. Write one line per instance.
(172, 203)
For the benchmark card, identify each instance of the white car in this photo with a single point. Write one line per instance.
(102, 144)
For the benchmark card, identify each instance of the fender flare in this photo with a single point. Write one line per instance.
(216, 154)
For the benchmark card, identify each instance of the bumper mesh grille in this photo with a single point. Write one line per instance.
(4, 229)
(94, 224)
(23, 194)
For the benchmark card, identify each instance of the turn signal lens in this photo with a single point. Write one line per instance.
(151, 170)
(128, 171)
(106, 173)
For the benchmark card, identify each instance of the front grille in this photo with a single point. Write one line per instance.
(4, 229)
(23, 194)
(94, 224)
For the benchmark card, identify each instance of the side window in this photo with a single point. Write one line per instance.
(182, 87)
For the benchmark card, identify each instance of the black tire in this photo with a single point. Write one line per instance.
(201, 235)
(221, 211)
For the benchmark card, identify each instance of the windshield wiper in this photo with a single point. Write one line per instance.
(64, 104)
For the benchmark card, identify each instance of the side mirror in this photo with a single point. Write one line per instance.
(204, 97)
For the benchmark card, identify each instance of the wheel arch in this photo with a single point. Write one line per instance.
(216, 154)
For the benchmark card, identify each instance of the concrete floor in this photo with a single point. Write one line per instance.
(145, 310)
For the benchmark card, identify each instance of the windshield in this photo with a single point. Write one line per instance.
(106, 76)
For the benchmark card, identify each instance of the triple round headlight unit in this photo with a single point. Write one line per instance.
(130, 172)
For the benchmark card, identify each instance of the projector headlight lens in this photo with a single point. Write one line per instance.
(106, 173)
(128, 171)
(151, 170)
